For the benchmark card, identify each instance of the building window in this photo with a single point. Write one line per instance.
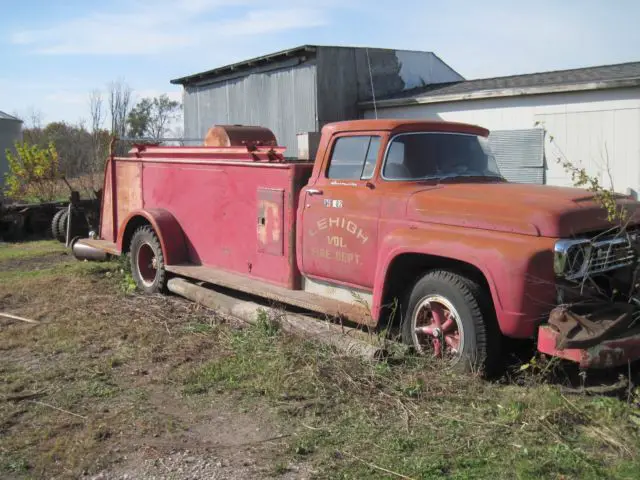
(354, 158)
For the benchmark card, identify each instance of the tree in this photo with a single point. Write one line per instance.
(140, 118)
(119, 106)
(96, 110)
(152, 117)
(34, 118)
(33, 172)
(99, 144)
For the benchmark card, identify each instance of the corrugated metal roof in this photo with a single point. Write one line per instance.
(257, 62)
(604, 76)
(6, 116)
(245, 64)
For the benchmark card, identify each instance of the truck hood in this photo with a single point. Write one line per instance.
(539, 210)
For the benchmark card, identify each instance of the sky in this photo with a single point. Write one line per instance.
(54, 53)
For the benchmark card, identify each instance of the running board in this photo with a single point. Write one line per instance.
(356, 312)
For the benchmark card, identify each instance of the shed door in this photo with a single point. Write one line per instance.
(520, 154)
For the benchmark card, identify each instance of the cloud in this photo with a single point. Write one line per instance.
(162, 27)
(66, 97)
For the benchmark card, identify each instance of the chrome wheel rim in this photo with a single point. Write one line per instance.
(436, 327)
(147, 264)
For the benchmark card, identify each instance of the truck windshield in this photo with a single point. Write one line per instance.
(427, 155)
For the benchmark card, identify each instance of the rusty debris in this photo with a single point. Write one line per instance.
(587, 324)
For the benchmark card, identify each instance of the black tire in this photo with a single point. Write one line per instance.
(55, 231)
(147, 261)
(62, 225)
(474, 311)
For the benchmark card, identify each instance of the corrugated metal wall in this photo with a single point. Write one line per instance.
(520, 154)
(282, 100)
(344, 77)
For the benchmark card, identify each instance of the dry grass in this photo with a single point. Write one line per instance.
(114, 375)
(91, 381)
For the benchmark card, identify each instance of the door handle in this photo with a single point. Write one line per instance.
(314, 191)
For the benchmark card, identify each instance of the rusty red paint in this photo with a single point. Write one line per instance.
(168, 229)
(348, 233)
(269, 226)
(236, 135)
(107, 212)
(214, 195)
(609, 353)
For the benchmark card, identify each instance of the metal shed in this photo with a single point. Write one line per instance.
(10, 132)
(303, 88)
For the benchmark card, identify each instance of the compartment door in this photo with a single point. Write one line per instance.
(270, 221)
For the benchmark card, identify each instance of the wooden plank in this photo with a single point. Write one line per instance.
(348, 340)
(309, 301)
(15, 317)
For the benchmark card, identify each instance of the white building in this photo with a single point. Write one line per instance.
(590, 116)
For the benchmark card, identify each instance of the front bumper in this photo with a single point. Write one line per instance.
(594, 336)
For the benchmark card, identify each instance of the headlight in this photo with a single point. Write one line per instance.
(570, 258)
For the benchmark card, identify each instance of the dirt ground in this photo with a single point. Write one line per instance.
(89, 390)
(110, 384)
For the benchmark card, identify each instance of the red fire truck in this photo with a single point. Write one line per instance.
(393, 220)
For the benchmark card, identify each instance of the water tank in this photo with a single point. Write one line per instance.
(10, 132)
(239, 135)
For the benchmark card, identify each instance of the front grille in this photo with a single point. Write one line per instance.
(575, 259)
(609, 255)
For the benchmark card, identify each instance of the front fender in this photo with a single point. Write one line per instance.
(518, 268)
(166, 227)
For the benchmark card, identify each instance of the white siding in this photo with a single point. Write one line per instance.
(587, 127)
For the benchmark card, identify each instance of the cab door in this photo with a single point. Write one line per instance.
(341, 213)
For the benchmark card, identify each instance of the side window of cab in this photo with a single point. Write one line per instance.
(354, 157)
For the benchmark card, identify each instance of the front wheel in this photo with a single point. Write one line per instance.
(447, 316)
(147, 261)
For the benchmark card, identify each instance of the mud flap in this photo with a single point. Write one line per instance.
(594, 335)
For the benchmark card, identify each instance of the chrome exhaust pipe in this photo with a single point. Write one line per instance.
(82, 251)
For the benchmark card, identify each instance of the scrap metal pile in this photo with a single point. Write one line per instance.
(599, 327)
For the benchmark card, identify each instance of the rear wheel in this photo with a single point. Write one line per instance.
(147, 261)
(55, 232)
(448, 316)
(62, 225)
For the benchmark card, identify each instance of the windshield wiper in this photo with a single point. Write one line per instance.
(469, 175)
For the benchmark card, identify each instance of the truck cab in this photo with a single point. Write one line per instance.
(394, 222)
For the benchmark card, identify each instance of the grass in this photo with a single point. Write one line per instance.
(29, 250)
(125, 371)
(359, 420)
